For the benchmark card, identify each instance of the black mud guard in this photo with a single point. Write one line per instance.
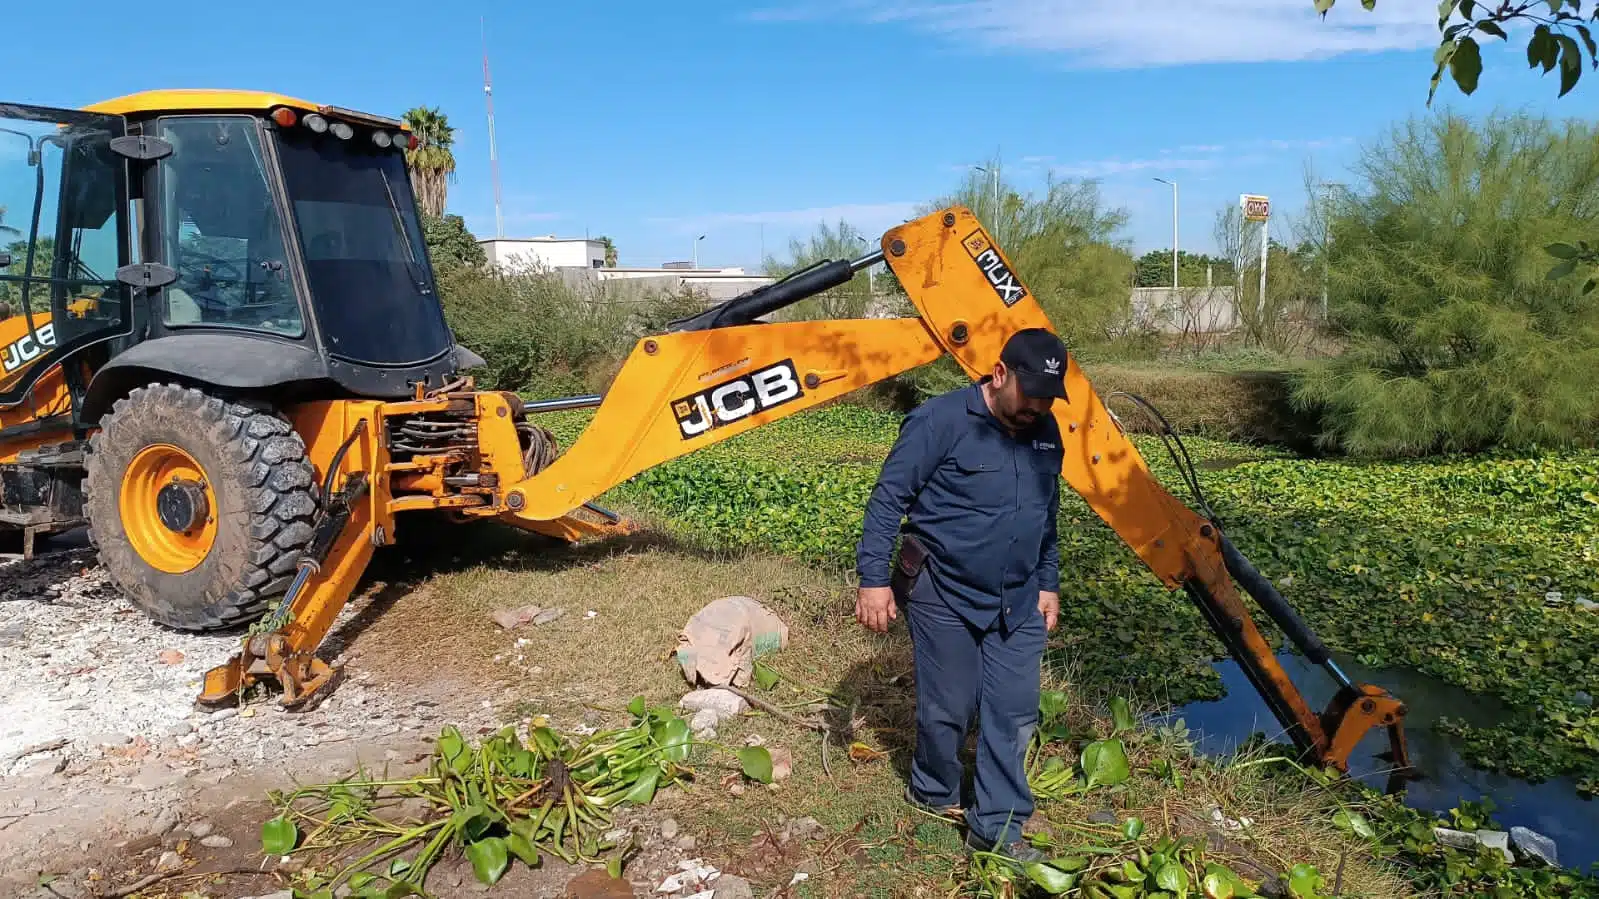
(231, 361)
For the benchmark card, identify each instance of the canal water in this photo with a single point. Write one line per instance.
(1552, 808)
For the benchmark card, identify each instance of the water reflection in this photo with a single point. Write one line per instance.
(1552, 808)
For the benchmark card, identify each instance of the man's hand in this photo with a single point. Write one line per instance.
(874, 607)
(1049, 607)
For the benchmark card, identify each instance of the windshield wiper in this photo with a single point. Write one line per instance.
(411, 264)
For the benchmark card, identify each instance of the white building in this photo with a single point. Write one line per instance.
(548, 252)
(582, 259)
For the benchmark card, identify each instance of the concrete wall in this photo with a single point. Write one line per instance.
(718, 284)
(1192, 310)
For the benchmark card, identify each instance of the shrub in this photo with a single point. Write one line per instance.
(548, 334)
(1457, 340)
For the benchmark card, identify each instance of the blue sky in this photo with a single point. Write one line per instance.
(657, 122)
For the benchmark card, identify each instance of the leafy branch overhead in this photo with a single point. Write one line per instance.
(1554, 42)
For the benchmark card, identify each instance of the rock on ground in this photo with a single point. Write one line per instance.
(731, 886)
(725, 703)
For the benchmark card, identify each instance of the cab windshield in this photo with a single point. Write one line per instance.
(361, 241)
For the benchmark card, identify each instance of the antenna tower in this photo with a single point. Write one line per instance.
(494, 156)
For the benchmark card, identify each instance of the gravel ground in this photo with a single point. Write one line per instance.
(110, 772)
(102, 745)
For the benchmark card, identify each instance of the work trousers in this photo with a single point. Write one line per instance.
(962, 670)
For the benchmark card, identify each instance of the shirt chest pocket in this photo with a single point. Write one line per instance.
(981, 476)
(1044, 470)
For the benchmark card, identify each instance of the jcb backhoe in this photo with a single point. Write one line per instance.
(224, 351)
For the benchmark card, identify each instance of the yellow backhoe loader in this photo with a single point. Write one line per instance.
(224, 352)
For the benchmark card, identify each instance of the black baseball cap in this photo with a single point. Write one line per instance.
(1038, 360)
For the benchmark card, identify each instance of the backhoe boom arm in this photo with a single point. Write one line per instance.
(718, 375)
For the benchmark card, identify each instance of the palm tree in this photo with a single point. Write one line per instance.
(432, 165)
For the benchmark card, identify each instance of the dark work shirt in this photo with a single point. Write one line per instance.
(983, 503)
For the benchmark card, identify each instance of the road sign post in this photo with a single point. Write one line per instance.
(1257, 208)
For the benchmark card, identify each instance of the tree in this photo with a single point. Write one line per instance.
(450, 245)
(432, 164)
(848, 300)
(1154, 269)
(610, 252)
(1553, 43)
(1457, 339)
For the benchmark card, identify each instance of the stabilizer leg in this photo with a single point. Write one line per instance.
(285, 648)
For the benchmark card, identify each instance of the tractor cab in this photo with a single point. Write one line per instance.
(242, 239)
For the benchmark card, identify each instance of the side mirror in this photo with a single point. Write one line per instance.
(5, 260)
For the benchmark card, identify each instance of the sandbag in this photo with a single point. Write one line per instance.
(720, 643)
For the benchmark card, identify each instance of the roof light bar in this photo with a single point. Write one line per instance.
(364, 118)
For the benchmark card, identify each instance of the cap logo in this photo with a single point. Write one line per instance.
(1052, 366)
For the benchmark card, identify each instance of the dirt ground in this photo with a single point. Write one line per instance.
(112, 776)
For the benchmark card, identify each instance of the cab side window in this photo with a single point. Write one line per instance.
(60, 237)
(222, 232)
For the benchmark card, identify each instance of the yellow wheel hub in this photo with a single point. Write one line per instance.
(168, 508)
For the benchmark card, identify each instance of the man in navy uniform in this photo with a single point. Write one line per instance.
(976, 474)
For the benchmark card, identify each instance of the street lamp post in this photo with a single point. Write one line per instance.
(993, 177)
(697, 251)
(1173, 234)
(871, 287)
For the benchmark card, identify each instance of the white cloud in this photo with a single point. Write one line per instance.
(1100, 168)
(861, 215)
(1193, 157)
(1114, 34)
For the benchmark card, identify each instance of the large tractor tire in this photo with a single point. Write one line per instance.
(199, 507)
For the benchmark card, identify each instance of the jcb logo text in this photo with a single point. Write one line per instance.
(730, 401)
(25, 349)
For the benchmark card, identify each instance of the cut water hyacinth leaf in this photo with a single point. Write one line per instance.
(757, 763)
(505, 801)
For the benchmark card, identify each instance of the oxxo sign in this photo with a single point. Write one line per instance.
(741, 397)
(1256, 207)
